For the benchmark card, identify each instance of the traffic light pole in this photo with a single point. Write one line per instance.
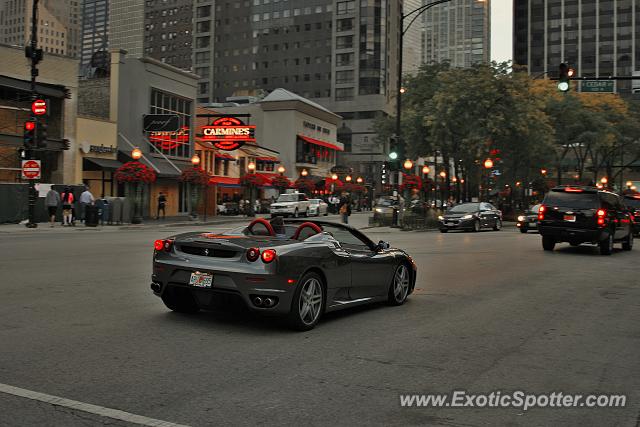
(34, 73)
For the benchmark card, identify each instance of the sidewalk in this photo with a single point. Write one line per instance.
(357, 219)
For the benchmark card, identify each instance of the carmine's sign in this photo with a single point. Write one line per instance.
(228, 133)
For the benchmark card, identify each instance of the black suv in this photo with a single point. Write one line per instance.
(633, 203)
(584, 215)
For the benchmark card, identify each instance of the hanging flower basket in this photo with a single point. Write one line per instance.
(252, 179)
(195, 176)
(411, 182)
(135, 172)
(280, 182)
(305, 184)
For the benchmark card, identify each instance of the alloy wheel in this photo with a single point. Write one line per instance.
(401, 283)
(310, 302)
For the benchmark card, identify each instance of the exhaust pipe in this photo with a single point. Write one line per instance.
(155, 287)
(257, 301)
(268, 302)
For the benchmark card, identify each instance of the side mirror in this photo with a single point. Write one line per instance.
(382, 245)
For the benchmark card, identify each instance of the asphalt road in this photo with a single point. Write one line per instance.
(492, 311)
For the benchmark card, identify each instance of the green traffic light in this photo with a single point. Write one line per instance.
(563, 86)
(393, 155)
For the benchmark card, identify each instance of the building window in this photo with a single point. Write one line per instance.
(344, 59)
(344, 7)
(345, 76)
(344, 94)
(174, 143)
(345, 24)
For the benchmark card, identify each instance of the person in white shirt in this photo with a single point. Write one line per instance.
(86, 198)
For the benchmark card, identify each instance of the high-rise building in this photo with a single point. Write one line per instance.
(160, 29)
(341, 54)
(58, 25)
(595, 37)
(94, 50)
(458, 32)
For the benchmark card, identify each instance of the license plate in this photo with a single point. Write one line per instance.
(570, 218)
(201, 280)
(451, 222)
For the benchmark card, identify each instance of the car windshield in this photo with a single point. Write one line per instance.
(385, 202)
(465, 208)
(632, 203)
(572, 200)
(534, 208)
(288, 198)
(314, 201)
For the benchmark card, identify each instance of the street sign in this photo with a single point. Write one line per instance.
(31, 169)
(39, 107)
(598, 86)
(161, 123)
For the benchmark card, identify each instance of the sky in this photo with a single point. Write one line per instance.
(501, 30)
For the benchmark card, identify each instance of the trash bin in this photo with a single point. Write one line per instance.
(91, 216)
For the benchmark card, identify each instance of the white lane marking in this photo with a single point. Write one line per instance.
(115, 414)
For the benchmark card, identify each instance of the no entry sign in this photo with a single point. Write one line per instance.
(31, 169)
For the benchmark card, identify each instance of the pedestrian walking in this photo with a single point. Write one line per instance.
(86, 198)
(345, 208)
(162, 204)
(67, 206)
(52, 200)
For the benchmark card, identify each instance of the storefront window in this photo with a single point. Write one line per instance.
(172, 143)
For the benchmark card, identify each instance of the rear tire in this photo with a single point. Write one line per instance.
(606, 246)
(180, 301)
(627, 245)
(548, 243)
(307, 306)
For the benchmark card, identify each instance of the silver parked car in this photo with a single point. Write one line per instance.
(317, 207)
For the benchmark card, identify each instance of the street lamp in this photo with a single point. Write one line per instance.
(195, 160)
(604, 180)
(304, 172)
(334, 177)
(252, 167)
(414, 14)
(136, 153)
(543, 171)
(348, 178)
(629, 184)
(443, 174)
(359, 180)
(425, 170)
(281, 170)
(488, 164)
(408, 164)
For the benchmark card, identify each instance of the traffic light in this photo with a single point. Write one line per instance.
(564, 77)
(41, 134)
(393, 148)
(396, 153)
(30, 134)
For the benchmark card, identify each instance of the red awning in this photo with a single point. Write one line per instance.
(268, 159)
(320, 143)
(225, 156)
(224, 180)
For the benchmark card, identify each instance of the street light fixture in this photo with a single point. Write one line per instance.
(136, 153)
(408, 164)
(543, 171)
(604, 180)
(252, 167)
(304, 172)
(629, 184)
(443, 174)
(488, 164)
(348, 178)
(425, 170)
(334, 177)
(195, 160)
(359, 180)
(281, 170)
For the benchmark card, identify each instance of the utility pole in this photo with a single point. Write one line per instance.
(35, 55)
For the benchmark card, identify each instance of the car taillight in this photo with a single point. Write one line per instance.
(602, 214)
(268, 255)
(253, 254)
(541, 212)
(163, 245)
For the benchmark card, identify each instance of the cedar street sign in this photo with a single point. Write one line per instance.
(160, 123)
(598, 86)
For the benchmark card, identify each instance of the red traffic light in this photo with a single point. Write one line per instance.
(29, 126)
(571, 72)
(39, 107)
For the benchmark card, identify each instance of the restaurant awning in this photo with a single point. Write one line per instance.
(97, 163)
(320, 143)
(225, 181)
(268, 159)
(225, 156)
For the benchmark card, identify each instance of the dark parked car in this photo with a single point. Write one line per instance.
(584, 215)
(633, 204)
(471, 217)
(291, 268)
(529, 219)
